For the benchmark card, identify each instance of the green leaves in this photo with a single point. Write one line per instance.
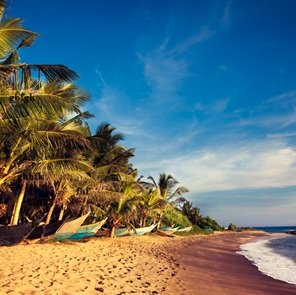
(12, 35)
(3, 5)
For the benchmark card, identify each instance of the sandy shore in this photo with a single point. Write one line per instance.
(211, 266)
(140, 265)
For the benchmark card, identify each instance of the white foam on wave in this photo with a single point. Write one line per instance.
(275, 257)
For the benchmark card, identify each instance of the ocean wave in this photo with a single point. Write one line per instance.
(275, 257)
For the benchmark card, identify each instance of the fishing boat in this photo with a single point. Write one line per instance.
(44, 230)
(168, 231)
(134, 232)
(14, 234)
(68, 228)
(103, 233)
(169, 228)
(88, 230)
(184, 230)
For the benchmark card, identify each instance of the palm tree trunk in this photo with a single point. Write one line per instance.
(112, 232)
(50, 212)
(159, 221)
(62, 212)
(18, 205)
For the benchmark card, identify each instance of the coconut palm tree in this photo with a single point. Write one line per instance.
(122, 207)
(165, 189)
(106, 150)
(150, 206)
(38, 147)
(193, 213)
(12, 34)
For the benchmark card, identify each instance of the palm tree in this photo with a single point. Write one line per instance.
(150, 206)
(193, 213)
(121, 208)
(165, 188)
(40, 150)
(106, 150)
(12, 34)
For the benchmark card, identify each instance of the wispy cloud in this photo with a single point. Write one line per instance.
(283, 99)
(218, 106)
(109, 105)
(276, 112)
(164, 73)
(200, 37)
(225, 21)
(281, 135)
(223, 68)
(269, 121)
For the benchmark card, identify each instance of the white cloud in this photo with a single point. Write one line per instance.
(262, 164)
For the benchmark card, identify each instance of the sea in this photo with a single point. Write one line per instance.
(274, 256)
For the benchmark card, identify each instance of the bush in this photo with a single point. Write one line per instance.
(232, 227)
(207, 222)
(172, 216)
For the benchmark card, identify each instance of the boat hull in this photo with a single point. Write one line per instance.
(184, 230)
(14, 234)
(45, 230)
(68, 229)
(86, 231)
(137, 232)
(167, 233)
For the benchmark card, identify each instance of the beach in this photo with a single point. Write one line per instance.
(136, 265)
(212, 266)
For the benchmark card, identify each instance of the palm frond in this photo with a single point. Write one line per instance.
(12, 34)
(27, 41)
(179, 192)
(3, 5)
(57, 168)
(13, 58)
(153, 180)
(58, 73)
(125, 177)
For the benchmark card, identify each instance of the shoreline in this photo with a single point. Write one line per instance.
(137, 265)
(212, 266)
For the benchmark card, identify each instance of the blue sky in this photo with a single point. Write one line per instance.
(204, 90)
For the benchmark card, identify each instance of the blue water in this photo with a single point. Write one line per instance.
(274, 255)
(276, 229)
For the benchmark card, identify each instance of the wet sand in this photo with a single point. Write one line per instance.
(136, 265)
(211, 266)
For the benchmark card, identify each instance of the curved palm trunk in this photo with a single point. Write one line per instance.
(160, 218)
(18, 204)
(112, 232)
(144, 222)
(62, 212)
(50, 212)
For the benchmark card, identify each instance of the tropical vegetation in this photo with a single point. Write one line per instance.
(52, 165)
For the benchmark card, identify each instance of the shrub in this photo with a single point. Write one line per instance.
(208, 222)
(173, 216)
